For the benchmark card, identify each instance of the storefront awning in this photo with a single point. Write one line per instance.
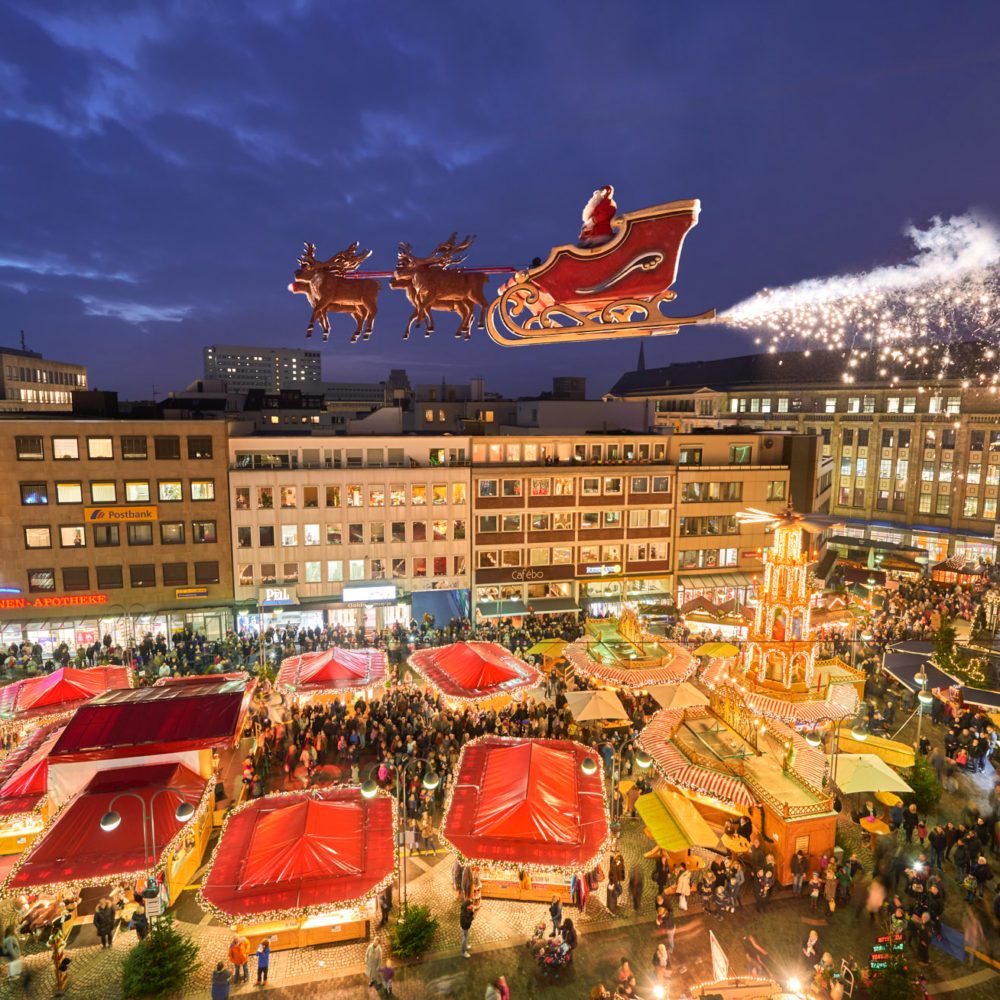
(500, 609)
(553, 605)
(715, 580)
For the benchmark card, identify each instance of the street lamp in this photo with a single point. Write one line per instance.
(128, 610)
(112, 819)
(924, 699)
(430, 781)
(589, 766)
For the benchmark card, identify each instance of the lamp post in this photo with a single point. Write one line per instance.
(924, 699)
(369, 790)
(589, 766)
(127, 611)
(111, 820)
(815, 740)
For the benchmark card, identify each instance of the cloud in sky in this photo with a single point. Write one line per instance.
(162, 163)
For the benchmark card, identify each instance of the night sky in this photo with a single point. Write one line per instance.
(161, 164)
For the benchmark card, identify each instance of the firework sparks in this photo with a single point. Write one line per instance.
(908, 316)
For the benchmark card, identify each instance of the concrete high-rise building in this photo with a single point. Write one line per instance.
(30, 383)
(269, 368)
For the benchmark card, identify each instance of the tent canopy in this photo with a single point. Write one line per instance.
(24, 773)
(588, 706)
(550, 648)
(332, 669)
(75, 848)
(473, 670)
(674, 822)
(864, 772)
(59, 691)
(203, 680)
(291, 853)
(526, 802)
(684, 695)
(155, 720)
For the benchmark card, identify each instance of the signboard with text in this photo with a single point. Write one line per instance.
(120, 515)
(276, 597)
(188, 593)
(369, 593)
(55, 601)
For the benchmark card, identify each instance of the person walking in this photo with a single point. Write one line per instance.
(385, 905)
(12, 952)
(239, 949)
(635, 883)
(465, 917)
(373, 961)
(555, 914)
(263, 961)
(220, 981)
(683, 886)
(800, 866)
(661, 963)
(105, 918)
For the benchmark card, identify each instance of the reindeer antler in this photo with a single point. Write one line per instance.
(309, 255)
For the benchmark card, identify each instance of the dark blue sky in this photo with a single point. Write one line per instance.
(161, 164)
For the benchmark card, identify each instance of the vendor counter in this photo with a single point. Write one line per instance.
(321, 929)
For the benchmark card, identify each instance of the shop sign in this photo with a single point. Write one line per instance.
(153, 905)
(369, 594)
(527, 574)
(186, 593)
(69, 601)
(604, 569)
(522, 574)
(276, 597)
(751, 554)
(996, 532)
(111, 515)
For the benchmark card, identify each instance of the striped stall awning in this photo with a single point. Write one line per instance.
(657, 740)
(810, 763)
(678, 669)
(796, 711)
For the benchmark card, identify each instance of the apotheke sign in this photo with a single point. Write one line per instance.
(69, 601)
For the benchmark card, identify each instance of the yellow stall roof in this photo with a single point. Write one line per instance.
(674, 821)
(891, 752)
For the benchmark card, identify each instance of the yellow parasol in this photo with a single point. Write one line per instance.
(717, 650)
(549, 648)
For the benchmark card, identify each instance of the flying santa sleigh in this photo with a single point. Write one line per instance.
(604, 292)
(613, 284)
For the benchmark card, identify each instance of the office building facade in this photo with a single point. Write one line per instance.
(269, 368)
(30, 383)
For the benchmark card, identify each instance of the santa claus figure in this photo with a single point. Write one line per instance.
(597, 216)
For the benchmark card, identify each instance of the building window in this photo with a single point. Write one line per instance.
(167, 448)
(143, 575)
(100, 447)
(41, 581)
(170, 490)
(175, 574)
(202, 489)
(334, 571)
(313, 572)
(38, 538)
(510, 522)
(207, 572)
(133, 447)
(65, 449)
(203, 532)
(268, 573)
(356, 569)
(310, 497)
(30, 449)
(104, 492)
(355, 534)
(289, 497)
(76, 578)
(72, 536)
(739, 454)
(830, 404)
(33, 494)
(398, 569)
(244, 537)
(439, 494)
(418, 496)
(333, 496)
(776, 489)
(172, 532)
(334, 534)
(689, 456)
(105, 535)
(265, 498)
(136, 491)
(109, 578)
(487, 487)
(397, 531)
(199, 447)
(139, 534)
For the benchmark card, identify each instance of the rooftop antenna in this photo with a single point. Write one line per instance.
(23, 348)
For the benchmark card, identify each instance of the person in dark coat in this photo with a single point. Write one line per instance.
(220, 982)
(105, 918)
(635, 884)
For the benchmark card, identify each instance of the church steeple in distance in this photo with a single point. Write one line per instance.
(642, 357)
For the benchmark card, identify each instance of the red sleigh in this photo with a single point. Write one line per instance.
(601, 293)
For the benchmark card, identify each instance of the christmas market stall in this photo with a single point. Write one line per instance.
(332, 674)
(527, 819)
(302, 868)
(124, 824)
(619, 653)
(956, 573)
(35, 701)
(473, 671)
(24, 787)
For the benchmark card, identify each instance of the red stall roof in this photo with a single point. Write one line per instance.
(74, 849)
(60, 691)
(24, 773)
(289, 854)
(474, 670)
(203, 680)
(521, 802)
(332, 670)
(155, 720)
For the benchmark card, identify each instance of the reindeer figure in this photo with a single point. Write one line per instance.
(429, 284)
(325, 285)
